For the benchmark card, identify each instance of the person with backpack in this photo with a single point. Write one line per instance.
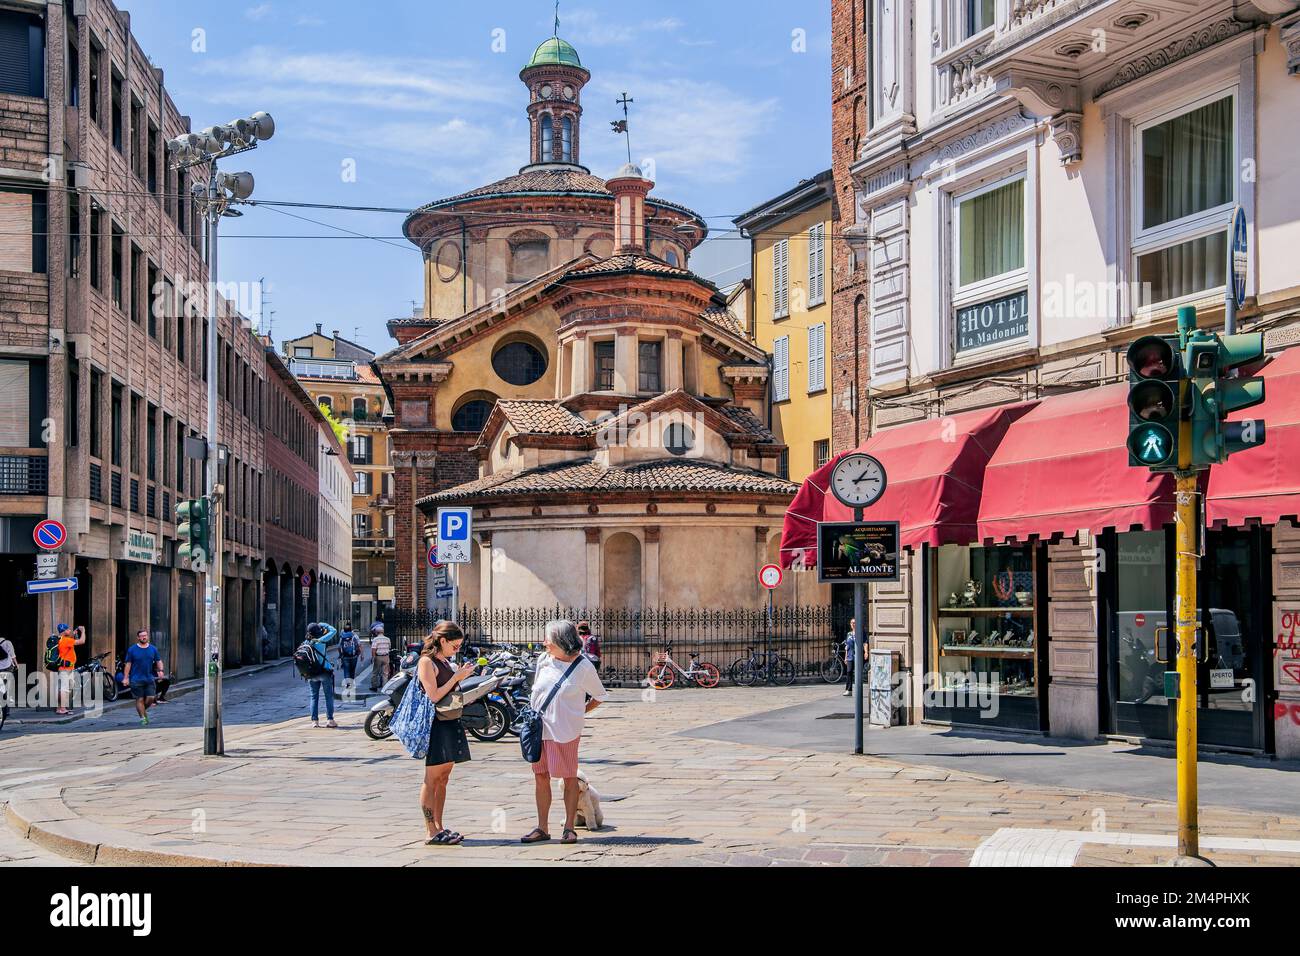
(61, 657)
(380, 648)
(316, 660)
(349, 654)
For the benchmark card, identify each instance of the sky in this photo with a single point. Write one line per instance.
(394, 103)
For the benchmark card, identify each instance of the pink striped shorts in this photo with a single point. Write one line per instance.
(558, 760)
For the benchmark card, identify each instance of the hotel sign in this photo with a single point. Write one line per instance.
(993, 322)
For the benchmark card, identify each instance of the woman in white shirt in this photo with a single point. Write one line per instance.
(561, 723)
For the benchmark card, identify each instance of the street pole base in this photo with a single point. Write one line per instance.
(1190, 861)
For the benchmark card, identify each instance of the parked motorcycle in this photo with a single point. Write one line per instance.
(124, 688)
(377, 721)
(506, 703)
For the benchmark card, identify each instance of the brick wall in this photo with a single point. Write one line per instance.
(849, 324)
(23, 133)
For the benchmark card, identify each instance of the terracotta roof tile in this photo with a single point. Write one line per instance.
(748, 422)
(721, 315)
(588, 476)
(632, 263)
(543, 418)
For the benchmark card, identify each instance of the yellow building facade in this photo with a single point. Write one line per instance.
(790, 316)
(337, 374)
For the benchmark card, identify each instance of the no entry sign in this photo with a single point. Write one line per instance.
(49, 534)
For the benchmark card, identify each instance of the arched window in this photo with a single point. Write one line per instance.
(567, 139)
(548, 137)
(472, 414)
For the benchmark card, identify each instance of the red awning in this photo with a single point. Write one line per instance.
(935, 473)
(1264, 483)
(1064, 467)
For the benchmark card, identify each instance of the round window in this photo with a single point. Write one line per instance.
(448, 261)
(519, 363)
(679, 439)
(472, 416)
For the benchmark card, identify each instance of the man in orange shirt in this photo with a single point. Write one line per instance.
(69, 638)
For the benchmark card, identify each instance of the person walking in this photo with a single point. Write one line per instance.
(850, 659)
(447, 744)
(349, 655)
(380, 647)
(579, 693)
(144, 669)
(68, 638)
(325, 638)
(8, 677)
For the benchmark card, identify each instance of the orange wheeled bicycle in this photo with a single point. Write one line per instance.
(664, 671)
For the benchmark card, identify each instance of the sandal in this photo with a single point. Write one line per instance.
(454, 838)
(569, 836)
(438, 839)
(536, 835)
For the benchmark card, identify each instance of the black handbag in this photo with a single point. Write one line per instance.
(475, 716)
(530, 721)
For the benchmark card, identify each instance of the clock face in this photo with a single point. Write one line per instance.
(858, 480)
(568, 92)
(546, 92)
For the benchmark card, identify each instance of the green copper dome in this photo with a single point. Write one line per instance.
(554, 51)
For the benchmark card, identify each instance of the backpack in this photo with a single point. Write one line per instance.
(52, 660)
(309, 660)
(349, 646)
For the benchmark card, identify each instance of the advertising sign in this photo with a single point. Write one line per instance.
(857, 552)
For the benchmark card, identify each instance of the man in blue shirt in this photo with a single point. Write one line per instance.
(143, 667)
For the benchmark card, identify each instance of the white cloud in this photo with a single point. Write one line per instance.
(583, 26)
(692, 129)
(259, 12)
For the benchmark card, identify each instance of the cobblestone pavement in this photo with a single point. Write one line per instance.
(113, 792)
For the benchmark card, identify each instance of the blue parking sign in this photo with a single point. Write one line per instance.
(454, 527)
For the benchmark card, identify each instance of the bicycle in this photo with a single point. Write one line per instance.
(773, 668)
(664, 670)
(833, 666)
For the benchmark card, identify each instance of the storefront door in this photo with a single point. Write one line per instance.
(1232, 680)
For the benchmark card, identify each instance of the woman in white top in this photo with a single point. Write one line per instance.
(561, 724)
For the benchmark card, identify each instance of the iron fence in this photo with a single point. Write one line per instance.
(806, 635)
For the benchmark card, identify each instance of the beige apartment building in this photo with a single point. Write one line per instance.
(337, 374)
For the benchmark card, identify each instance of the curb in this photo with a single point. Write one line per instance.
(53, 826)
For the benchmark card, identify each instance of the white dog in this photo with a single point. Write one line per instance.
(589, 814)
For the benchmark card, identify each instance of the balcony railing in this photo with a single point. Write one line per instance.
(373, 543)
(24, 475)
(957, 78)
(1024, 12)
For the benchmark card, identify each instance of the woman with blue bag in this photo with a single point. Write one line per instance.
(427, 722)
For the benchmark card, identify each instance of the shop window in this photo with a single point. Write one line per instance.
(983, 641)
(1186, 189)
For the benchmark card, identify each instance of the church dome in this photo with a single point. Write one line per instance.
(553, 51)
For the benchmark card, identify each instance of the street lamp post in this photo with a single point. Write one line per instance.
(215, 199)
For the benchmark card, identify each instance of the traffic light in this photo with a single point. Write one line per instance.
(1154, 402)
(1209, 358)
(192, 529)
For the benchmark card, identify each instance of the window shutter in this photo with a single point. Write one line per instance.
(781, 277)
(817, 263)
(16, 231)
(14, 410)
(817, 357)
(781, 369)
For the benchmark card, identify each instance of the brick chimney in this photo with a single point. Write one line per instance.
(629, 188)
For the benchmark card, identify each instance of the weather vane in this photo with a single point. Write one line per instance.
(620, 126)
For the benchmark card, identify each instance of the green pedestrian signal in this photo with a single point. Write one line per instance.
(1155, 387)
(192, 529)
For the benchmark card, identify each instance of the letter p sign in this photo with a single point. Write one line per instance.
(454, 526)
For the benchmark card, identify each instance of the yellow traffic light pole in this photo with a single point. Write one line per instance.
(1188, 517)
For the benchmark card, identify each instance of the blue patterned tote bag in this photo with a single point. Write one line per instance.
(413, 719)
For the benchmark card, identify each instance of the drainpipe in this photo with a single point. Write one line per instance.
(464, 270)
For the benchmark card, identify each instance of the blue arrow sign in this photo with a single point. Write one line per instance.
(56, 584)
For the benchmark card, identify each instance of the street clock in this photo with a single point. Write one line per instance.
(858, 480)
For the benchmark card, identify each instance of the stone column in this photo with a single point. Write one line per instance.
(673, 372)
(650, 568)
(625, 367)
(593, 567)
(581, 376)
(1072, 637)
(485, 569)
